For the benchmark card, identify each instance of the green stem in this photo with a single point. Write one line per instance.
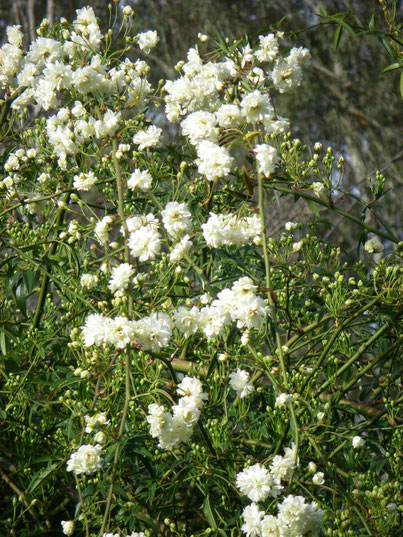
(46, 279)
(121, 211)
(119, 444)
(119, 185)
(315, 199)
(334, 337)
(87, 529)
(274, 309)
(40, 267)
(354, 358)
(365, 370)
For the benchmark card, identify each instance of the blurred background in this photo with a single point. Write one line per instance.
(345, 101)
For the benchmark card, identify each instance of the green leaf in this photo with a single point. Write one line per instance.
(148, 521)
(313, 207)
(387, 47)
(392, 67)
(371, 24)
(209, 513)
(42, 476)
(337, 37)
(322, 12)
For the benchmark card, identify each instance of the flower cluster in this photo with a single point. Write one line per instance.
(144, 240)
(172, 429)
(151, 332)
(295, 517)
(238, 304)
(231, 230)
(258, 483)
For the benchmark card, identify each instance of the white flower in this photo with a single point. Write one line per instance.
(100, 437)
(239, 381)
(108, 125)
(145, 243)
(255, 482)
(187, 411)
(147, 40)
(213, 161)
(180, 249)
(89, 280)
(319, 189)
(140, 179)
(269, 527)
(268, 48)
(43, 50)
(191, 388)
(154, 332)
(186, 321)
(373, 246)
(120, 278)
(68, 526)
(318, 478)
(250, 312)
(283, 399)
(252, 517)
(296, 518)
(312, 467)
(84, 181)
(200, 126)
(14, 35)
(267, 158)
(229, 115)
(102, 228)
(245, 338)
(212, 321)
(358, 442)
(120, 332)
(176, 219)
(283, 467)
(203, 37)
(78, 110)
(256, 107)
(147, 137)
(289, 226)
(86, 460)
(94, 330)
(296, 247)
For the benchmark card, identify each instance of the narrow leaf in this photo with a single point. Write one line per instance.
(313, 207)
(392, 67)
(247, 181)
(371, 25)
(337, 37)
(387, 47)
(209, 513)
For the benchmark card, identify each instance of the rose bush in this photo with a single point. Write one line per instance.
(168, 366)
